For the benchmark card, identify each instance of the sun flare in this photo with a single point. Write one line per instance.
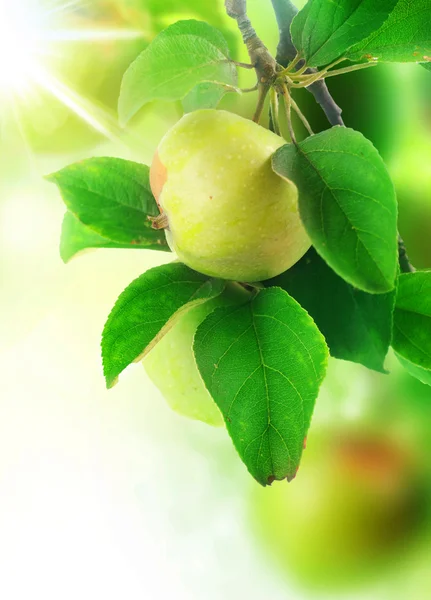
(34, 36)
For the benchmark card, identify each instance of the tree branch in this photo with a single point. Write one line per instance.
(403, 259)
(261, 59)
(285, 11)
(260, 56)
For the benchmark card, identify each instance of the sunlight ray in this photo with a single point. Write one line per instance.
(32, 34)
(64, 7)
(92, 35)
(17, 144)
(84, 109)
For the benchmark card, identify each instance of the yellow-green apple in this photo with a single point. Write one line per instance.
(227, 214)
(357, 505)
(171, 364)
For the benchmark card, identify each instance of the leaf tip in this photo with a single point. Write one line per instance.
(111, 381)
(65, 259)
(292, 476)
(51, 177)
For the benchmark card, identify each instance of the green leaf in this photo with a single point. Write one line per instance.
(112, 197)
(147, 309)
(404, 37)
(76, 237)
(347, 203)
(424, 375)
(183, 55)
(427, 66)
(324, 30)
(412, 319)
(263, 363)
(203, 95)
(357, 326)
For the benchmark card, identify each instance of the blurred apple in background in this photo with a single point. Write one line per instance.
(360, 506)
(356, 507)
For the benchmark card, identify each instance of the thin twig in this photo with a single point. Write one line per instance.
(248, 90)
(236, 90)
(263, 92)
(242, 64)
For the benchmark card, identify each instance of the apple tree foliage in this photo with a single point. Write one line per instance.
(353, 295)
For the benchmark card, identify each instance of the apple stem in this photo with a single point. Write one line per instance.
(159, 222)
(252, 288)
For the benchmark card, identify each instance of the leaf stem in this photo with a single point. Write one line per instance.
(302, 70)
(294, 63)
(288, 108)
(301, 116)
(351, 69)
(305, 81)
(275, 108)
(318, 75)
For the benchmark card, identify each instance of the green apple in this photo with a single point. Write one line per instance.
(356, 507)
(228, 214)
(171, 364)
